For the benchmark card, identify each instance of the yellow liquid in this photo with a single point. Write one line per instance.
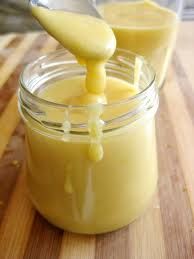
(145, 28)
(100, 182)
(78, 194)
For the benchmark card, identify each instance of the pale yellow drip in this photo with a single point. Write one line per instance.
(137, 73)
(68, 184)
(95, 127)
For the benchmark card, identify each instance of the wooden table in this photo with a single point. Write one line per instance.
(166, 231)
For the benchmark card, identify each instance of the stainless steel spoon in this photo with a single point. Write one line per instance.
(75, 6)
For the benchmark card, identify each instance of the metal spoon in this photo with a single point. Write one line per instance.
(75, 6)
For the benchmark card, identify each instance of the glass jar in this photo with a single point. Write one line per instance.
(146, 27)
(67, 188)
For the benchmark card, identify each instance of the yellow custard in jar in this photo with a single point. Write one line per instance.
(77, 193)
(90, 132)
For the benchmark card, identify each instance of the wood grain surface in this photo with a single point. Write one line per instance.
(165, 231)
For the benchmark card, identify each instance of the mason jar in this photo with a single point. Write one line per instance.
(148, 28)
(69, 189)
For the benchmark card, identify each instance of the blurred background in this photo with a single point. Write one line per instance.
(15, 16)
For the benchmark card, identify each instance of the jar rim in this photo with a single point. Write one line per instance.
(38, 99)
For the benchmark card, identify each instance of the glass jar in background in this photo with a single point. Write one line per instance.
(146, 27)
(67, 188)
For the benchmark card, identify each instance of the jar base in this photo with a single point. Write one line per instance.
(94, 232)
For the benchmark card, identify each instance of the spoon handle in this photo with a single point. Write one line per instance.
(76, 6)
